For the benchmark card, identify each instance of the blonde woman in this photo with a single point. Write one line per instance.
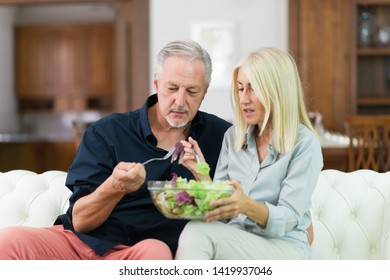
(273, 158)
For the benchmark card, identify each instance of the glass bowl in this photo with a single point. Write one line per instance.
(187, 200)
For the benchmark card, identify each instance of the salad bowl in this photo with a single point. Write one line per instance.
(182, 199)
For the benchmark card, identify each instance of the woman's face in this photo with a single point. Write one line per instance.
(251, 107)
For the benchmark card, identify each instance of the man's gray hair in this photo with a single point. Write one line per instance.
(189, 49)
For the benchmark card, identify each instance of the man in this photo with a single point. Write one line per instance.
(111, 214)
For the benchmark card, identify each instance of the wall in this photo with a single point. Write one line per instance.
(258, 23)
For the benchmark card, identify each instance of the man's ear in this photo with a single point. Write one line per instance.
(155, 83)
(204, 95)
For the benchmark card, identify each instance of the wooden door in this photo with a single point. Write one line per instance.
(319, 38)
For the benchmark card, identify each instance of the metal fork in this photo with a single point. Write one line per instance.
(168, 155)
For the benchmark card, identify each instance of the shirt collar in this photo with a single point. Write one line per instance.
(196, 125)
(249, 136)
(145, 125)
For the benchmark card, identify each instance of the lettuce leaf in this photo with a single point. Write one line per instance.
(202, 168)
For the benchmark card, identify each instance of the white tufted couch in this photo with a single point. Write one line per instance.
(351, 211)
(351, 215)
(31, 199)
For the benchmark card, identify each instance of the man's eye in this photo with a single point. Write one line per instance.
(172, 89)
(240, 89)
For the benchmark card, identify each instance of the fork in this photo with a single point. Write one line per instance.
(168, 155)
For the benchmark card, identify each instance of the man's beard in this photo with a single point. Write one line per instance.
(176, 124)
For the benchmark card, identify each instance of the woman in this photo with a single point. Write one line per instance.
(273, 158)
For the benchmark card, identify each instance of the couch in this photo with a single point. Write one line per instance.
(351, 215)
(31, 199)
(351, 211)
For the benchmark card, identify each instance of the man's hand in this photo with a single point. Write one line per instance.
(90, 211)
(128, 177)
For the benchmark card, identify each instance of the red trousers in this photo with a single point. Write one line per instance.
(55, 243)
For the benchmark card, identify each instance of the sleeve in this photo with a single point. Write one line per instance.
(296, 190)
(92, 165)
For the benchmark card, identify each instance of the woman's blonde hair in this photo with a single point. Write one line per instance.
(275, 80)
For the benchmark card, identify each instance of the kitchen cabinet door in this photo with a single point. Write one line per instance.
(36, 59)
(71, 61)
(70, 65)
(99, 60)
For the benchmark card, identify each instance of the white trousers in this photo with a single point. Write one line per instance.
(207, 241)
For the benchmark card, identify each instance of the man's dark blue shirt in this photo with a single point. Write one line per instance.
(127, 137)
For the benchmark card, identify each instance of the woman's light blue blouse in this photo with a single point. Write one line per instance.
(283, 182)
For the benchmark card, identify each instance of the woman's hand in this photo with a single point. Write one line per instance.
(238, 203)
(229, 207)
(192, 155)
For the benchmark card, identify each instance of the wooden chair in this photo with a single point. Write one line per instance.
(369, 142)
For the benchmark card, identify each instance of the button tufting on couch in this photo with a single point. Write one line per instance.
(351, 211)
(31, 199)
(351, 215)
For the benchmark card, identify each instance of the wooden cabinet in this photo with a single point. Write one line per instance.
(36, 156)
(65, 67)
(58, 155)
(320, 41)
(100, 60)
(35, 53)
(335, 158)
(340, 75)
(100, 66)
(372, 57)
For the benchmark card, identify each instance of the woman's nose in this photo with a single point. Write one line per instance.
(244, 96)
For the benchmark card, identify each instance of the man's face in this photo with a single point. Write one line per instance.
(181, 88)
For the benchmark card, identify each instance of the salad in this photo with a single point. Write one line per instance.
(183, 199)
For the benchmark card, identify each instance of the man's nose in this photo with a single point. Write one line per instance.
(180, 97)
